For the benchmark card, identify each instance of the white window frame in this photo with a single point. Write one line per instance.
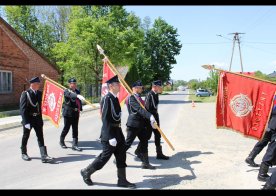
(1, 82)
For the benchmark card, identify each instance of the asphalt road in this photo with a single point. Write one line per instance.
(204, 157)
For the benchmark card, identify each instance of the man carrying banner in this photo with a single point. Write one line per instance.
(71, 112)
(269, 158)
(30, 110)
(151, 104)
(136, 124)
(112, 138)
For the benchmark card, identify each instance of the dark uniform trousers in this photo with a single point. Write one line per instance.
(38, 127)
(270, 156)
(142, 134)
(118, 151)
(157, 135)
(262, 143)
(68, 121)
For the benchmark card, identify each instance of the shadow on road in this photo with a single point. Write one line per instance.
(162, 181)
(179, 159)
(73, 158)
(89, 145)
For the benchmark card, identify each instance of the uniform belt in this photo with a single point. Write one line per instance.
(34, 114)
(116, 124)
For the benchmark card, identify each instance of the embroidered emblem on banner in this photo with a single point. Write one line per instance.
(241, 105)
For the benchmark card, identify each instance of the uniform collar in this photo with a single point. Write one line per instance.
(113, 94)
(33, 90)
(154, 91)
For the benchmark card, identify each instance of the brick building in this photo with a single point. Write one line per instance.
(19, 62)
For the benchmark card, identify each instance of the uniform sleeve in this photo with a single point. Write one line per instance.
(106, 116)
(69, 94)
(136, 106)
(148, 102)
(24, 109)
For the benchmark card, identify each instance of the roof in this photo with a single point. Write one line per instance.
(27, 43)
(272, 75)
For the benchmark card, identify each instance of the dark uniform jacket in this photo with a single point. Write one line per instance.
(30, 107)
(70, 107)
(111, 118)
(137, 114)
(151, 104)
(272, 123)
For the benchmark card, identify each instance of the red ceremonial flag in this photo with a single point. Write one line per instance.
(244, 104)
(107, 74)
(52, 100)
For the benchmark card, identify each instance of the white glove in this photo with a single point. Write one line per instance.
(80, 97)
(28, 126)
(113, 142)
(152, 121)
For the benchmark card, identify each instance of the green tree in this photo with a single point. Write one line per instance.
(117, 31)
(157, 56)
(25, 21)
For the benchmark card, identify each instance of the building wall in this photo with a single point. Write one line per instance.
(23, 61)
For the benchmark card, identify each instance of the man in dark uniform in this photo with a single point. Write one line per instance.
(259, 146)
(71, 112)
(112, 138)
(136, 123)
(151, 104)
(30, 110)
(271, 182)
(269, 158)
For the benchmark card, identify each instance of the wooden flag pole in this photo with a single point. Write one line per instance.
(63, 87)
(130, 92)
(212, 67)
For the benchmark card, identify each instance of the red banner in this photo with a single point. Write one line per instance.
(244, 104)
(107, 74)
(52, 100)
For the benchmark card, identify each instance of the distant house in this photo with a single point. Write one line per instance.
(272, 75)
(19, 62)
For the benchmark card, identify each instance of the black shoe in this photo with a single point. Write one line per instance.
(44, 155)
(147, 166)
(126, 184)
(76, 148)
(62, 145)
(263, 177)
(86, 179)
(25, 157)
(251, 162)
(162, 156)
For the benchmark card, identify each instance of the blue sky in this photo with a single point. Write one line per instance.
(198, 27)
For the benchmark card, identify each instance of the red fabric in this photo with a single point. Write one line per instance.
(52, 102)
(244, 104)
(141, 100)
(107, 74)
(78, 104)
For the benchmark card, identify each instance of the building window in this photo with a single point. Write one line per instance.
(5, 81)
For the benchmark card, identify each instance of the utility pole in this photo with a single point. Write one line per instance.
(236, 38)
